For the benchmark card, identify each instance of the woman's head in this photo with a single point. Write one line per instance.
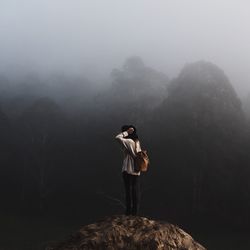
(132, 136)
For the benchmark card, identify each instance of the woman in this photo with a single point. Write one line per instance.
(130, 145)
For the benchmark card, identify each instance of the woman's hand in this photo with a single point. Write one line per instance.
(130, 131)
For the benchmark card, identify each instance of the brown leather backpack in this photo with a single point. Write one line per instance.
(141, 161)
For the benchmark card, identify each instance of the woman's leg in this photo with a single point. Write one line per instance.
(127, 184)
(135, 194)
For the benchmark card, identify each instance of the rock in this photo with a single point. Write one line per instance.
(130, 233)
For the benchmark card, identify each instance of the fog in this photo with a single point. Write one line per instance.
(73, 72)
(90, 37)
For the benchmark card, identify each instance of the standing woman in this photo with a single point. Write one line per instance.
(130, 145)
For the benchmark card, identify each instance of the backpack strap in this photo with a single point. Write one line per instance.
(135, 149)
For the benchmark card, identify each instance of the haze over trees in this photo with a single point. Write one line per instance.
(59, 153)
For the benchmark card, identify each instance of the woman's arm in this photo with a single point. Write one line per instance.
(126, 143)
(121, 138)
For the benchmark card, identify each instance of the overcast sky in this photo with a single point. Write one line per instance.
(93, 36)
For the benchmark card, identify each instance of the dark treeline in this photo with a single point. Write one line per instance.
(58, 152)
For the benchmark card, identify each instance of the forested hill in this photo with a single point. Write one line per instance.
(206, 139)
(59, 154)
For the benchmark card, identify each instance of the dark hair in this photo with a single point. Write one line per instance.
(132, 136)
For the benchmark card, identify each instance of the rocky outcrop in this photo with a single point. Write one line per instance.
(130, 233)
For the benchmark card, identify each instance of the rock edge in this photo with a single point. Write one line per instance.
(131, 233)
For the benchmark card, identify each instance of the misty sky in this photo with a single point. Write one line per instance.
(92, 37)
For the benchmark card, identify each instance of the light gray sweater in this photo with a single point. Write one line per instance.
(128, 147)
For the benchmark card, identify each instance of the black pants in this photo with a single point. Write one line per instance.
(131, 183)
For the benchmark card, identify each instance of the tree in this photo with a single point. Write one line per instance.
(203, 123)
(40, 129)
